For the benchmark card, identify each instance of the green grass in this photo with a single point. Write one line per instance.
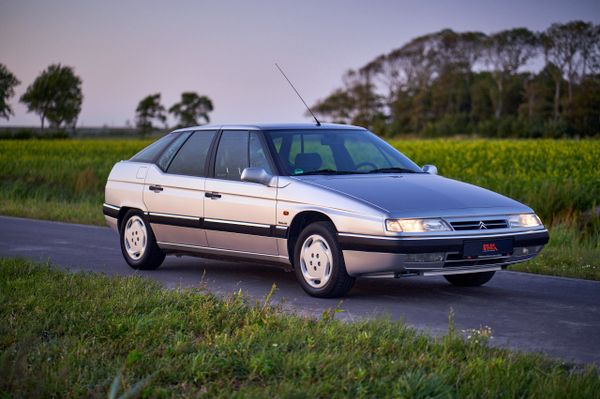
(69, 335)
(64, 180)
(59, 179)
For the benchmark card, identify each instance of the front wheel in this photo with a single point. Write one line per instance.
(319, 263)
(138, 244)
(469, 279)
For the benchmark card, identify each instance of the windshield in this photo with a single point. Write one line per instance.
(330, 151)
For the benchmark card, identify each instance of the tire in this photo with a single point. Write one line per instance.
(319, 263)
(138, 244)
(470, 279)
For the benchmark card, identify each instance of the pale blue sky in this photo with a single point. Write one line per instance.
(124, 50)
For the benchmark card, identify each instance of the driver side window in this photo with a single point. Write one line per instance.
(258, 153)
(237, 151)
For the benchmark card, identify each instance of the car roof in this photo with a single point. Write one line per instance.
(273, 126)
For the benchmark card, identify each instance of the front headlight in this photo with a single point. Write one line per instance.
(416, 225)
(524, 220)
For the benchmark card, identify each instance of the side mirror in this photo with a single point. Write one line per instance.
(257, 175)
(432, 170)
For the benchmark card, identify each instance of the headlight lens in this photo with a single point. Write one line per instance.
(524, 220)
(416, 225)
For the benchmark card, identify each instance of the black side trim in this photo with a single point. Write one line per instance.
(279, 233)
(267, 231)
(173, 221)
(113, 213)
(238, 228)
(408, 246)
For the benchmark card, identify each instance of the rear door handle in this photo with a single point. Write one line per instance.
(156, 189)
(212, 195)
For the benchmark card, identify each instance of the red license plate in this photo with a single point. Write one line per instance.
(487, 247)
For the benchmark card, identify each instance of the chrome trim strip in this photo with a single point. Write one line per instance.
(268, 226)
(116, 208)
(208, 249)
(448, 237)
(169, 215)
(281, 227)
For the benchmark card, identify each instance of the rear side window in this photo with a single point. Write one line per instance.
(190, 160)
(168, 154)
(150, 153)
(232, 155)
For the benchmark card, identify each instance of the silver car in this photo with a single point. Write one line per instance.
(330, 202)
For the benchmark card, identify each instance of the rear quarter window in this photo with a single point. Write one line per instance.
(151, 153)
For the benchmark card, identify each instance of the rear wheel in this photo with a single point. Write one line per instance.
(138, 244)
(469, 279)
(319, 263)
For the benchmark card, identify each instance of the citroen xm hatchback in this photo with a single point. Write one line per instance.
(332, 202)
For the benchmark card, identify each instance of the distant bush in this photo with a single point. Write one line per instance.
(26, 133)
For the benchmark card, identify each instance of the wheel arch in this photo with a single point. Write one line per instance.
(122, 212)
(299, 222)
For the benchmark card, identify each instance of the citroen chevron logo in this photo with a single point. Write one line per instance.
(482, 226)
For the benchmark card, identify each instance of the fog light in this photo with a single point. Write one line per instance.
(427, 257)
(524, 251)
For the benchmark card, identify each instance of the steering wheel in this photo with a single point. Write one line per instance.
(366, 163)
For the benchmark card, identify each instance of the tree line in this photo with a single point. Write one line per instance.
(188, 111)
(515, 83)
(56, 96)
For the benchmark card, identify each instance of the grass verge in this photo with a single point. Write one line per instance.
(69, 335)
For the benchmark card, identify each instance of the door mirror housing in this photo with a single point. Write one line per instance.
(431, 169)
(257, 175)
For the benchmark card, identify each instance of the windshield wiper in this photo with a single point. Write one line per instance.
(392, 170)
(326, 172)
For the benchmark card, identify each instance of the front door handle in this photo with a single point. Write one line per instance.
(156, 189)
(212, 195)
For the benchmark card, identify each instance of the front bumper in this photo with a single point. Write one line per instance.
(371, 255)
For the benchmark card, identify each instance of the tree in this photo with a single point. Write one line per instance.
(336, 107)
(570, 47)
(191, 108)
(594, 56)
(55, 95)
(148, 110)
(450, 82)
(538, 95)
(505, 52)
(356, 103)
(8, 81)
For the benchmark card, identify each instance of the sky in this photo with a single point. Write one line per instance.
(125, 50)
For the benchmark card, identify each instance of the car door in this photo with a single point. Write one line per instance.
(174, 191)
(239, 215)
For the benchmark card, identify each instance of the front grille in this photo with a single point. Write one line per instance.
(479, 224)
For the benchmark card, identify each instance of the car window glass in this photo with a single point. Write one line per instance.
(167, 155)
(257, 153)
(150, 153)
(310, 144)
(191, 158)
(365, 154)
(232, 155)
(277, 142)
(344, 151)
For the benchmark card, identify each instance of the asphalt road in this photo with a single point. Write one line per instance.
(557, 316)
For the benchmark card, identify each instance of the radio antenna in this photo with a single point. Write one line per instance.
(298, 94)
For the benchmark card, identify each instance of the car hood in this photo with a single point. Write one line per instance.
(417, 193)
